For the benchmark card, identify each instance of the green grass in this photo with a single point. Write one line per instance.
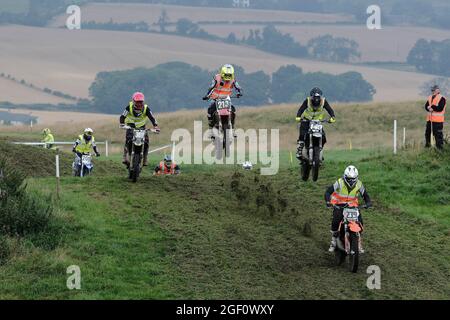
(217, 233)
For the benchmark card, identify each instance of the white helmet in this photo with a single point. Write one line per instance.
(88, 131)
(351, 176)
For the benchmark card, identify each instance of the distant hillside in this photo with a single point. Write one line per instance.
(60, 66)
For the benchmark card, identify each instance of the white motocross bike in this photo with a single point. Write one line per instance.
(82, 166)
(137, 151)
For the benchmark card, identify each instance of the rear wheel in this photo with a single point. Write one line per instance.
(316, 164)
(76, 171)
(354, 252)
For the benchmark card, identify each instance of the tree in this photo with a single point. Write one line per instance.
(185, 27)
(431, 56)
(333, 49)
(231, 38)
(421, 55)
(163, 21)
(285, 82)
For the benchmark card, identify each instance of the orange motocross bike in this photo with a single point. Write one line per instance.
(347, 244)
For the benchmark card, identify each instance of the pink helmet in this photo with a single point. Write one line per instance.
(138, 96)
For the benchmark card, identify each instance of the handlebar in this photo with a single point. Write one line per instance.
(132, 128)
(347, 206)
(231, 97)
(321, 121)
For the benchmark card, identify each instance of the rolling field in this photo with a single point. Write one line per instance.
(14, 92)
(68, 61)
(150, 13)
(392, 43)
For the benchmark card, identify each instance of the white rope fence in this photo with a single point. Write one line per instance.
(63, 143)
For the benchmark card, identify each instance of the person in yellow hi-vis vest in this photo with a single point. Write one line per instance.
(435, 108)
(85, 143)
(47, 138)
(314, 107)
(135, 115)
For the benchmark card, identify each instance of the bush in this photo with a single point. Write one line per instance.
(4, 250)
(21, 213)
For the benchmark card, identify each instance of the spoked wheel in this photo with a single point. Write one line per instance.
(354, 253)
(305, 170)
(86, 172)
(316, 164)
(136, 165)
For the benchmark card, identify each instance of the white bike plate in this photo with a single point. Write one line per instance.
(351, 214)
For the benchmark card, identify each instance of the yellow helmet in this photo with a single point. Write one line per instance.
(227, 72)
(46, 131)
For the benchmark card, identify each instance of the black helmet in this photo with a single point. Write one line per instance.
(434, 88)
(316, 96)
(316, 92)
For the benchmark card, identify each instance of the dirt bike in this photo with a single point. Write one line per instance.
(223, 129)
(82, 166)
(137, 151)
(347, 244)
(314, 151)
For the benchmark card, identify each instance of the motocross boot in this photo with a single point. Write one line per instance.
(300, 147)
(145, 160)
(333, 243)
(126, 159)
(361, 249)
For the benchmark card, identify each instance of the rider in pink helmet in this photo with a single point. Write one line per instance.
(135, 115)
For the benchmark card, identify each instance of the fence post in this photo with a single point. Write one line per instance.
(404, 137)
(106, 148)
(395, 136)
(57, 176)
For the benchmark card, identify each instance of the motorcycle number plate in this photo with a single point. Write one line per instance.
(223, 104)
(351, 214)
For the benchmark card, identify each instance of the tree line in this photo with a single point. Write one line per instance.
(177, 85)
(269, 39)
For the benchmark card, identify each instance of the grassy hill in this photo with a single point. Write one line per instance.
(218, 232)
(368, 125)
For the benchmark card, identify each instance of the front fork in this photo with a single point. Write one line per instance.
(311, 150)
(347, 240)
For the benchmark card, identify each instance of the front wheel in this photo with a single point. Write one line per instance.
(305, 169)
(339, 256)
(316, 164)
(86, 171)
(136, 165)
(354, 252)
